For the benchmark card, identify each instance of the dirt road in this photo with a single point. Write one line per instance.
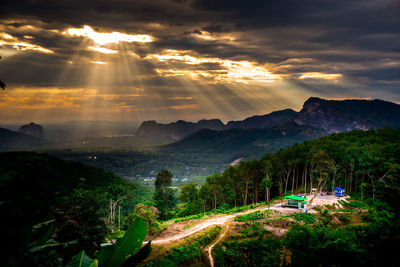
(220, 220)
(223, 220)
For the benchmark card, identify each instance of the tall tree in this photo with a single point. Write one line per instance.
(163, 195)
(322, 166)
(267, 181)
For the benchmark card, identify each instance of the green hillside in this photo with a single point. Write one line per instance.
(11, 140)
(35, 188)
(252, 142)
(365, 163)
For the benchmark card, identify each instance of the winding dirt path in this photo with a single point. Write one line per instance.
(218, 220)
(224, 220)
(210, 247)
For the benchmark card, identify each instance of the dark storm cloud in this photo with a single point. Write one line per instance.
(346, 37)
(363, 15)
(353, 14)
(100, 13)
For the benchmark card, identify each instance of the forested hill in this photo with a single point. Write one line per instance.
(263, 121)
(15, 140)
(35, 188)
(365, 163)
(238, 142)
(364, 232)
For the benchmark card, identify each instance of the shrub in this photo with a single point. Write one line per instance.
(304, 217)
(251, 216)
(259, 252)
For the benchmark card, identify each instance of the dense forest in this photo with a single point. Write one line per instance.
(364, 163)
(363, 231)
(86, 206)
(80, 202)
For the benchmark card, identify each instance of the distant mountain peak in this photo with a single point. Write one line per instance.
(331, 116)
(32, 129)
(351, 114)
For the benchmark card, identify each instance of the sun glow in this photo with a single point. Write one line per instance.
(104, 38)
(102, 50)
(98, 62)
(229, 70)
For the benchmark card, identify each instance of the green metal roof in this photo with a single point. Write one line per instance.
(300, 199)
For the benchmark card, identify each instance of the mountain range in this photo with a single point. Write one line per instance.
(246, 143)
(252, 136)
(328, 116)
(175, 131)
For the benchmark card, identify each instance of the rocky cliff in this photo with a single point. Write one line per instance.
(335, 116)
(32, 129)
(331, 116)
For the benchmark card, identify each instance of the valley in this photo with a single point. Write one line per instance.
(199, 133)
(215, 195)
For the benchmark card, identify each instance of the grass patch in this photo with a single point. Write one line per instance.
(343, 210)
(252, 230)
(354, 204)
(192, 217)
(303, 217)
(254, 216)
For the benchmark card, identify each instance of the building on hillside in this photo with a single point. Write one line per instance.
(339, 192)
(295, 202)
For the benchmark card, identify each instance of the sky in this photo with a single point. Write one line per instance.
(165, 60)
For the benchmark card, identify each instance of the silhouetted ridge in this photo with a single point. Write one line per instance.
(345, 115)
(264, 121)
(158, 132)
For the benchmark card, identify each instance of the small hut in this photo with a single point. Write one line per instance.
(339, 192)
(296, 202)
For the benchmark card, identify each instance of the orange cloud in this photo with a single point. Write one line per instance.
(230, 70)
(181, 98)
(190, 106)
(320, 75)
(11, 41)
